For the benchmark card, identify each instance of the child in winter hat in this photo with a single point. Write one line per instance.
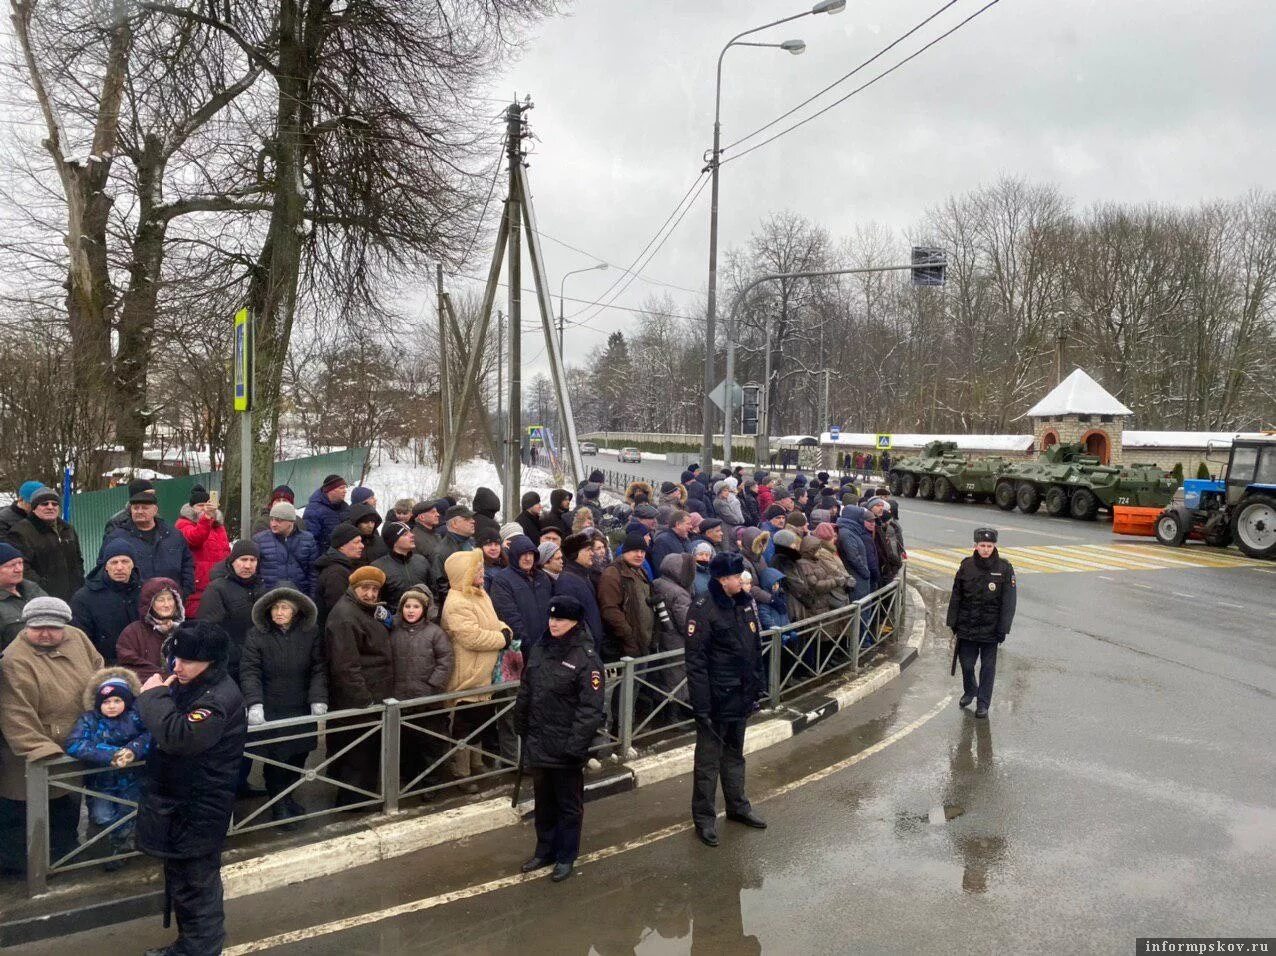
(110, 733)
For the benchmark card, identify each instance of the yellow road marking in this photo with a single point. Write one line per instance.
(1060, 559)
(480, 889)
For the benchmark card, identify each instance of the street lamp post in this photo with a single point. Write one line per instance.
(794, 47)
(562, 425)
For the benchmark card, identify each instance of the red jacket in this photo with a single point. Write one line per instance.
(209, 546)
(766, 497)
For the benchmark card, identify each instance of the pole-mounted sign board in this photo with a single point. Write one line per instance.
(883, 442)
(243, 361)
(835, 432)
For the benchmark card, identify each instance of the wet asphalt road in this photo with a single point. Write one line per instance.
(1123, 786)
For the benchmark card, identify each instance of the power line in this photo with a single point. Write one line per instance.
(698, 181)
(496, 173)
(598, 258)
(859, 89)
(842, 79)
(584, 302)
(704, 181)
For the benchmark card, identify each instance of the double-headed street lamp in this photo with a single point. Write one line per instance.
(792, 46)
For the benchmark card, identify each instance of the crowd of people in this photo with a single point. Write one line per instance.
(343, 603)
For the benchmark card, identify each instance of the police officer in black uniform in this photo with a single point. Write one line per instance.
(725, 678)
(980, 613)
(199, 724)
(558, 711)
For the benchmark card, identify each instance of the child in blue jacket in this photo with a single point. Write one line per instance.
(110, 733)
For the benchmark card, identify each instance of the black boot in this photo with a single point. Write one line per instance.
(965, 700)
(561, 872)
(708, 835)
(981, 711)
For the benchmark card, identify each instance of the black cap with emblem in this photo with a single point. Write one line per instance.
(985, 534)
(566, 608)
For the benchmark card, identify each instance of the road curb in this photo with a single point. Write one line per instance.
(386, 839)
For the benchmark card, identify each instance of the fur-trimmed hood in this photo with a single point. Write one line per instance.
(188, 513)
(100, 677)
(307, 613)
(755, 540)
(636, 488)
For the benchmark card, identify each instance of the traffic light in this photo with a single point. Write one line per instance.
(928, 266)
(752, 397)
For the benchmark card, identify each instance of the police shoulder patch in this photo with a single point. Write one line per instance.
(198, 714)
(595, 679)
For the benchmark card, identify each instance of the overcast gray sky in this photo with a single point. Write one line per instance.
(1130, 100)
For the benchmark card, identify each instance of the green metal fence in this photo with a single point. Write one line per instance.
(91, 510)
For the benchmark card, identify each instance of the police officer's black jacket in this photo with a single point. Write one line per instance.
(193, 771)
(560, 700)
(982, 606)
(724, 655)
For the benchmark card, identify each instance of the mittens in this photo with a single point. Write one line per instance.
(318, 710)
(256, 715)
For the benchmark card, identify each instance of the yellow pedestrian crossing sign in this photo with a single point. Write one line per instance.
(883, 442)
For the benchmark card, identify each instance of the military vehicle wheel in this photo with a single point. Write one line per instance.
(944, 490)
(909, 483)
(1057, 501)
(1084, 504)
(1255, 526)
(897, 483)
(1004, 495)
(1171, 529)
(1028, 498)
(926, 487)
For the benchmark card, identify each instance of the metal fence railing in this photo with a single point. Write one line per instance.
(377, 757)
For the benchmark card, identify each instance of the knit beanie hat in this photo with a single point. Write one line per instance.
(8, 553)
(404, 504)
(774, 511)
(668, 488)
(635, 541)
(361, 494)
(331, 483)
(46, 612)
(784, 538)
(115, 687)
(826, 531)
(282, 493)
(529, 500)
(795, 519)
(199, 495)
(486, 536)
(283, 511)
(28, 489)
(343, 534)
(702, 547)
(44, 493)
(597, 477)
(393, 531)
(114, 548)
(367, 575)
(545, 552)
(510, 530)
(244, 548)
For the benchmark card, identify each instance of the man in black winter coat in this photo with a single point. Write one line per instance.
(725, 679)
(560, 510)
(367, 519)
(485, 507)
(50, 545)
(108, 601)
(198, 722)
(333, 570)
(159, 551)
(558, 711)
(980, 612)
(229, 598)
(403, 568)
(530, 517)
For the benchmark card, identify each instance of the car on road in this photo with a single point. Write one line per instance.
(588, 448)
(629, 454)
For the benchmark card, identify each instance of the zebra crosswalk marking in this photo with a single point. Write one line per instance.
(1061, 559)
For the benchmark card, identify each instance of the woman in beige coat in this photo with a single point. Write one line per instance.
(478, 637)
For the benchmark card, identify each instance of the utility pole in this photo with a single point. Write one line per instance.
(500, 373)
(824, 413)
(445, 395)
(513, 437)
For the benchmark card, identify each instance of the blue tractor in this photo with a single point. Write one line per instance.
(1241, 507)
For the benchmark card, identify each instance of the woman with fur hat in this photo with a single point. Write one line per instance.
(159, 609)
(201, 524)
(360, 672)
(283, 674)
(110, 733)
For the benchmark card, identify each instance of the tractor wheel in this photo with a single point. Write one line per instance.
(1004, 495)
(926, 487)
(1171, 529)
(944, 490)
(909, 483)
(1057, 502)
(1084, 504)
(897, 483)
(1255, 526)
(1028, 497)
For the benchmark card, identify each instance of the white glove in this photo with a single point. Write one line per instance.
(256, 715)
(318, 710)
(381, 613)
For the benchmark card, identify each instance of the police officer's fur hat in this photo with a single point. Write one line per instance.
(199, 641)
(986, 534)
(566, 608)
(726, 564)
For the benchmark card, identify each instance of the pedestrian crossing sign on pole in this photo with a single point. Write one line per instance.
(883, 442)
(536, 433)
